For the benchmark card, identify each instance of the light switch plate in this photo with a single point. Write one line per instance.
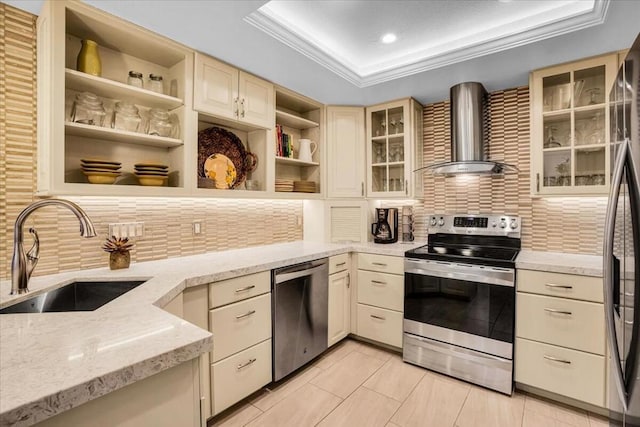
(127, 229)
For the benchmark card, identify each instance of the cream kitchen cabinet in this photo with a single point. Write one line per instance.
(224, 91)
(394, 149)
(339, 319)
(380, 298)
(64, 139)
(560, 335)
(570, 127)
(346, 152)
(240, 320)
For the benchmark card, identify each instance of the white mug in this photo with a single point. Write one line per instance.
(305, 153)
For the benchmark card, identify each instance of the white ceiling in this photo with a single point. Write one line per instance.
(344, 36)
(220, 29)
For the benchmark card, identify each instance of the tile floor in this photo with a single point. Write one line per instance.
(356, 384)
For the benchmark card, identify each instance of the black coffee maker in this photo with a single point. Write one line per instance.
(385, 230)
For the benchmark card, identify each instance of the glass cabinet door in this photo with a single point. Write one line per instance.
(387, 150)
(573, 128)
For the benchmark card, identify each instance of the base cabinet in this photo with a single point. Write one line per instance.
(339, 324)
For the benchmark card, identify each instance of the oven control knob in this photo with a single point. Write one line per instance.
(513, 224)
(441, 222)
(434, 221)
(494, 225)
(503, 223)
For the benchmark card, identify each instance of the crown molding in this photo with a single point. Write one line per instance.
(411, 64)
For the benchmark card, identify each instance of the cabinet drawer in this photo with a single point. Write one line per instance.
(238, 376)
(381, 263)
(560, 321)
(240, 325)
(559, 370)
(586, 288)
(381, 290)
(380, 325)
(239, 288)
(338, 263)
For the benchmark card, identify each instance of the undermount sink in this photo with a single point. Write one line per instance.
(76, 296)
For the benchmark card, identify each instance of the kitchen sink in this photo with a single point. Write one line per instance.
(76, 296)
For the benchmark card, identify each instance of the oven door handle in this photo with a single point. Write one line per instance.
(466, 272)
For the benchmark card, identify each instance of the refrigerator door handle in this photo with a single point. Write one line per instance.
(607, 255)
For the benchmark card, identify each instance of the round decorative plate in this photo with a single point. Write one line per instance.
(215, 140)
(221, 170)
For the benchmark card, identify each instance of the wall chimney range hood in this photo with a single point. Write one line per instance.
(467, 108)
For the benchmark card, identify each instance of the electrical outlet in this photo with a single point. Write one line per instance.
(197, 228)
(298, 221)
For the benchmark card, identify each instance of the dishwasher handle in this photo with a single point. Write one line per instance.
(300, 270)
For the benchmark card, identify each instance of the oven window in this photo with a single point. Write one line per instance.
(475, 308)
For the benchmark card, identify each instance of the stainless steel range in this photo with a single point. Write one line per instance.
(459, 305)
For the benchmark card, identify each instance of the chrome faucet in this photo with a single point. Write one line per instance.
(22, 264)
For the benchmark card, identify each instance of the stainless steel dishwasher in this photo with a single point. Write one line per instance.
(300, 310)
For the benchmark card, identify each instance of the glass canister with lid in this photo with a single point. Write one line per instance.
(160, 123)
(88, 109)
(156, 84)
(126, 117)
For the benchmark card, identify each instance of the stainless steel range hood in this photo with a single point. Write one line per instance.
(467, 108)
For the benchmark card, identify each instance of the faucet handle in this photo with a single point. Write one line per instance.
(34, 252)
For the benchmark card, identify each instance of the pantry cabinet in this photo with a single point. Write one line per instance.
(64, 138)
(224, 91)
(394, 149)
(570, 127)
(346, 152)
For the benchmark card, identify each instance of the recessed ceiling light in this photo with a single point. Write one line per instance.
(388, 38)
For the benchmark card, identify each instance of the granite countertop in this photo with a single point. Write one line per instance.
(52, 362)
(558, 262)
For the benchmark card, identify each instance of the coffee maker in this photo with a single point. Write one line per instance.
(385, 229)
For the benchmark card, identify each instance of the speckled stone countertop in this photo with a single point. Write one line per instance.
(557, 262)
(52, 362)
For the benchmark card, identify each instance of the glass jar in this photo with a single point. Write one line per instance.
(155, 83)
(135, 79)
(159, 123)
(87, 109)
(126, 117)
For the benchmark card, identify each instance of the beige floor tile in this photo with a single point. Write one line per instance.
(436, 401)
(597, 421)
(238, 417)
(270, 397)
(377, 352)
(392, 425)
(306, 407)
(571, 416)
(362, 408)
(395, 379)
(336, 353)
(486, 408)
(343, 377)
(537, 419)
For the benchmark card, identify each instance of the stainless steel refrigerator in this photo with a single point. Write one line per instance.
(621, 250)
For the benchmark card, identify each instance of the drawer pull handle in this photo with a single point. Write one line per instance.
(553, 310)
(378, 282)
(377, 317)
(340, 264)
(381, 264)
(246, 288)
(244, 365)
(553, 285)
(242, 316)
(555, 359)
(628, 322)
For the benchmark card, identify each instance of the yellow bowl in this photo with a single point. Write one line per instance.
(151, 180)
(101, 179)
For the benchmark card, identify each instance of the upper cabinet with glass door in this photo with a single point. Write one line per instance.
(394, 149)
(569, 123)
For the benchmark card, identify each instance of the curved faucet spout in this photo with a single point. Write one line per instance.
(22, 264)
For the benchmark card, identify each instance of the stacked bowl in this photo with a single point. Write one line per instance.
(151, 173)
(100, 171)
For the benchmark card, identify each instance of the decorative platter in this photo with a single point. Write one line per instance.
(218, 141)
(221, 170)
